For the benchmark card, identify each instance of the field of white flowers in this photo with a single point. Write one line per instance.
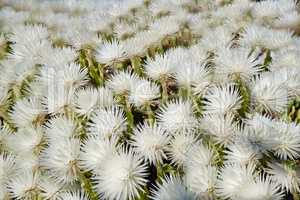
(149, 99)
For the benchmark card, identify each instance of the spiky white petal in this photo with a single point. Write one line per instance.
(23, 185)
(237, 62)
(151, 142)
(233, 178)
(94, 151)
(60, 127)
(107, 122)
(26, 111)
(122, 176)
(222, 100)
(180, 146)
(222, 128)
(87, 100)
(143, 93)
(172, 188)
(71, 195)
(60, 158)
(177, 115)
(122, 82)
(159, 66)
(110, 52)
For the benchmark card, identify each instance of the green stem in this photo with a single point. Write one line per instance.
(87, 186)
(129, 115)
(101, 74)
(268, 59)
(245, 93)
(164, 86)
(136, 65)
(159, 171)
(296, 195)
(183, 92)
(150, 114)
(197, 104)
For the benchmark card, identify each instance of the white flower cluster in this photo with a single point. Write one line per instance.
(149, 99)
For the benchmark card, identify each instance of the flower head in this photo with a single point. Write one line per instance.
(122, 176)
(107, 122)
(172, 188)
(177, 115)
(151, 142)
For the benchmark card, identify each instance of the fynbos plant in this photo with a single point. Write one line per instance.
(149, 99)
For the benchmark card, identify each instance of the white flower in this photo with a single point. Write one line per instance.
(4, 95)
(222, 127)
(263, 188)
(71, 195)
(266, 9)
(80, 38)
(27, 161)
(87, 100)
(285, 58)
(49, 188)
(171, 188)
(201, 179)
(61, 85)
(32, 52)
(199, 155)
(165, 26)
(107, 122)
(159, 66)
(23, 185)
(242, 152)
(199, 24)
(284, 175)
(270, 10)
(26, 111)
(74, 75)
(192, 73)
(197, 53)
(260, 132)
(180, 146)
(233, 179)
(151, 142)
(289, 20)
(58, 57)
(258, 36)
(143, 93)
(279, 39)
(25, 140)
(177, 115)
(122, 82)
(236, 62)
(162, 6)
(289, 78)
(142, 40)
(8, 166)
(268, 93)
(286, 140)
(94, 151)
(179, 56)
(110, 52)
(61, 158)
(217, 38)
(28, 34)
(222, 100)
(8, 170)
(124, 30)
(60, 127)
(121, 176)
